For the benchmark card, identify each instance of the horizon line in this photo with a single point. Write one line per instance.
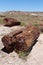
(19, 11)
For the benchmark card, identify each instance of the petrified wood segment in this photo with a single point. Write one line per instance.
(27, 38)
(11, 22)
(10, 39)
(22, 39)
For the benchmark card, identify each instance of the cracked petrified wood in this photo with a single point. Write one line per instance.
(10, 39)
(11, 22)
(22, 39)
(26, 39)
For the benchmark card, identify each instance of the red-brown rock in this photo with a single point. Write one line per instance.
(11, 22)
(21, 40)
(27, 38)
(10, 39)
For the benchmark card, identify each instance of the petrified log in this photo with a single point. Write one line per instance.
(26, 39)
(22, 39)
(11, 22)
(10, 39)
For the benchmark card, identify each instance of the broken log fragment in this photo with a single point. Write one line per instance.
(26, 39)
(10, 39)
(21, 40)
(9, 22)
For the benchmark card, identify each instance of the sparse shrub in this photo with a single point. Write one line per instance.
(22, 54)
(1, 21)
(35, 24)
(22, 24)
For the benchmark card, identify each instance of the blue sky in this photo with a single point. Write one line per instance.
(21, 5)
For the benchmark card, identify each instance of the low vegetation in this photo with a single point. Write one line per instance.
(24, 17)
(22, 54)
(1, 21)
(22, 24)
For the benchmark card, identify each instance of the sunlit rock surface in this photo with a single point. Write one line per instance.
(34, 58)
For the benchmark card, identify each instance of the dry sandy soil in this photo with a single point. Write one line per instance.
(34, 58)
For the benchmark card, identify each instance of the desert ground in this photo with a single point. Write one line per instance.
(35, 57)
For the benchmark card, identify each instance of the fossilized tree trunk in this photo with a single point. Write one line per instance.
(9, 22)
(22, 39)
